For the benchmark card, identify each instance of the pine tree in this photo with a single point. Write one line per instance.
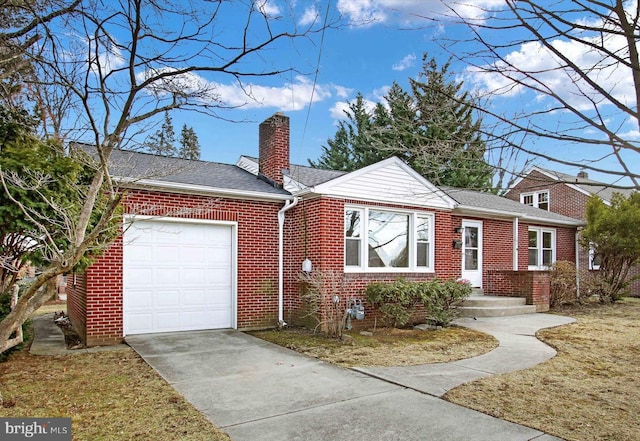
(350, 148)
(162, 142)
(431, 127)
(189, 145)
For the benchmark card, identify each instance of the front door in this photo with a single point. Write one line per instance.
(472, 252)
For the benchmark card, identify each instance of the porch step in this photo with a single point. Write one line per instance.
(494, 306)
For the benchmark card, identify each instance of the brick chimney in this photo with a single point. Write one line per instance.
(583, 174)
(274, 148)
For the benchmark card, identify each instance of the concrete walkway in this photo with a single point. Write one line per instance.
(257, 391)
(519, 349)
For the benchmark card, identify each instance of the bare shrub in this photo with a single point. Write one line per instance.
(563, 284)
(322, 295)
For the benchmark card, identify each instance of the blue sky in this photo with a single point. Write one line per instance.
(378, 42)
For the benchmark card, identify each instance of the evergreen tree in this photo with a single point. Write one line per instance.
(189, 145)
(162, 142)
(431, 127)
(350, 148)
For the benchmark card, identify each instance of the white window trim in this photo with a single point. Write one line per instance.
(413, 230)
(554, 247)
(535, 197)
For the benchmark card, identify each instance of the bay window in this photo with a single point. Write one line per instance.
(388, 240)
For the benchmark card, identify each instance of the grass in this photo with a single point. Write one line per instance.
(110, 395)
(387, 346)
(589, 391)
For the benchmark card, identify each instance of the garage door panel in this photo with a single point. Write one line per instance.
(194, 276)
(177, 276)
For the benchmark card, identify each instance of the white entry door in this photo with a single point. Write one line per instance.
(472, 252)
(178, 276)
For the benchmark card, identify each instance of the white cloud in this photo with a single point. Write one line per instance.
(544, 67)
(287, 97)
(342, 92)
(371, 12)
(309, 16)
(268, 8)
(337, 111)
(405, 63)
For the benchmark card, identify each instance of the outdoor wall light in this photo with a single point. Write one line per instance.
(307, 266)
(458, 230)
(457, 244)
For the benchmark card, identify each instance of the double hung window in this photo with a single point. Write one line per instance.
(542, 248)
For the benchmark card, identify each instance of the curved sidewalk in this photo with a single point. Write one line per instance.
(519, 349)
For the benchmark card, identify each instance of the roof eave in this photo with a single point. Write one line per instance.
(176, 187)
(483, 212)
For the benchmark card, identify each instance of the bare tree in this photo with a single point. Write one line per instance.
(579, 61)
(120, 63)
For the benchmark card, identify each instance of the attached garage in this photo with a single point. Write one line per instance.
(179, 275)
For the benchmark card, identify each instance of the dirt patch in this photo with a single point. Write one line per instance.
(590, 391)
(109, 396)
(386, 346)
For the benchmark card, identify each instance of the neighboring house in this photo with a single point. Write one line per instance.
(567, 195)
(208, 245)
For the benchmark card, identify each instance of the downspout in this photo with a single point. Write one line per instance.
(516, 239)
(289, 204)
(578, 263)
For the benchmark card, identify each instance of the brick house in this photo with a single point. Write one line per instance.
(567, 195)
(208, 245)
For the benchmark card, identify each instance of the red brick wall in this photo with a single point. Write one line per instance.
(323, 220)
(77, 303)
(257, 262)
(532, 285)
(274, 147)
(562, 198)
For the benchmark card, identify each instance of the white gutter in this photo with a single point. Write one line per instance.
(289, 204)
(199, 189)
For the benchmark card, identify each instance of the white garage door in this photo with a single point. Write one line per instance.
(177, 276)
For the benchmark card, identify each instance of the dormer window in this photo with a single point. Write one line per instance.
(538, 199)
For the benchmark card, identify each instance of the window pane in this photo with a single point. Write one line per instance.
(423, 229)
(546, 240)
(527, 199)
(533, 239)
(387, 236)
(533, 257)
(471, 259)
(352, 252)
(471, 237)
(547, 255)
(423, 254)
(352, 220)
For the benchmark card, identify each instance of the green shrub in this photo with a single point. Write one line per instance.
(441, 300)
(394, 300)
(397, 300)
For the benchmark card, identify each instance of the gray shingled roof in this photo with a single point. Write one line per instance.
(313, 176)
(589, 185)
(306, 175)
(143, 166)
(491, 202)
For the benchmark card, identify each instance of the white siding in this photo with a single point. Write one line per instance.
(387, 181)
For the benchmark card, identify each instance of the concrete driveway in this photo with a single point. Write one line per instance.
(258, 391)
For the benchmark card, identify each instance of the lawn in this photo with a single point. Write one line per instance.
(589, 391)
(386, 346)
(110, 395)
